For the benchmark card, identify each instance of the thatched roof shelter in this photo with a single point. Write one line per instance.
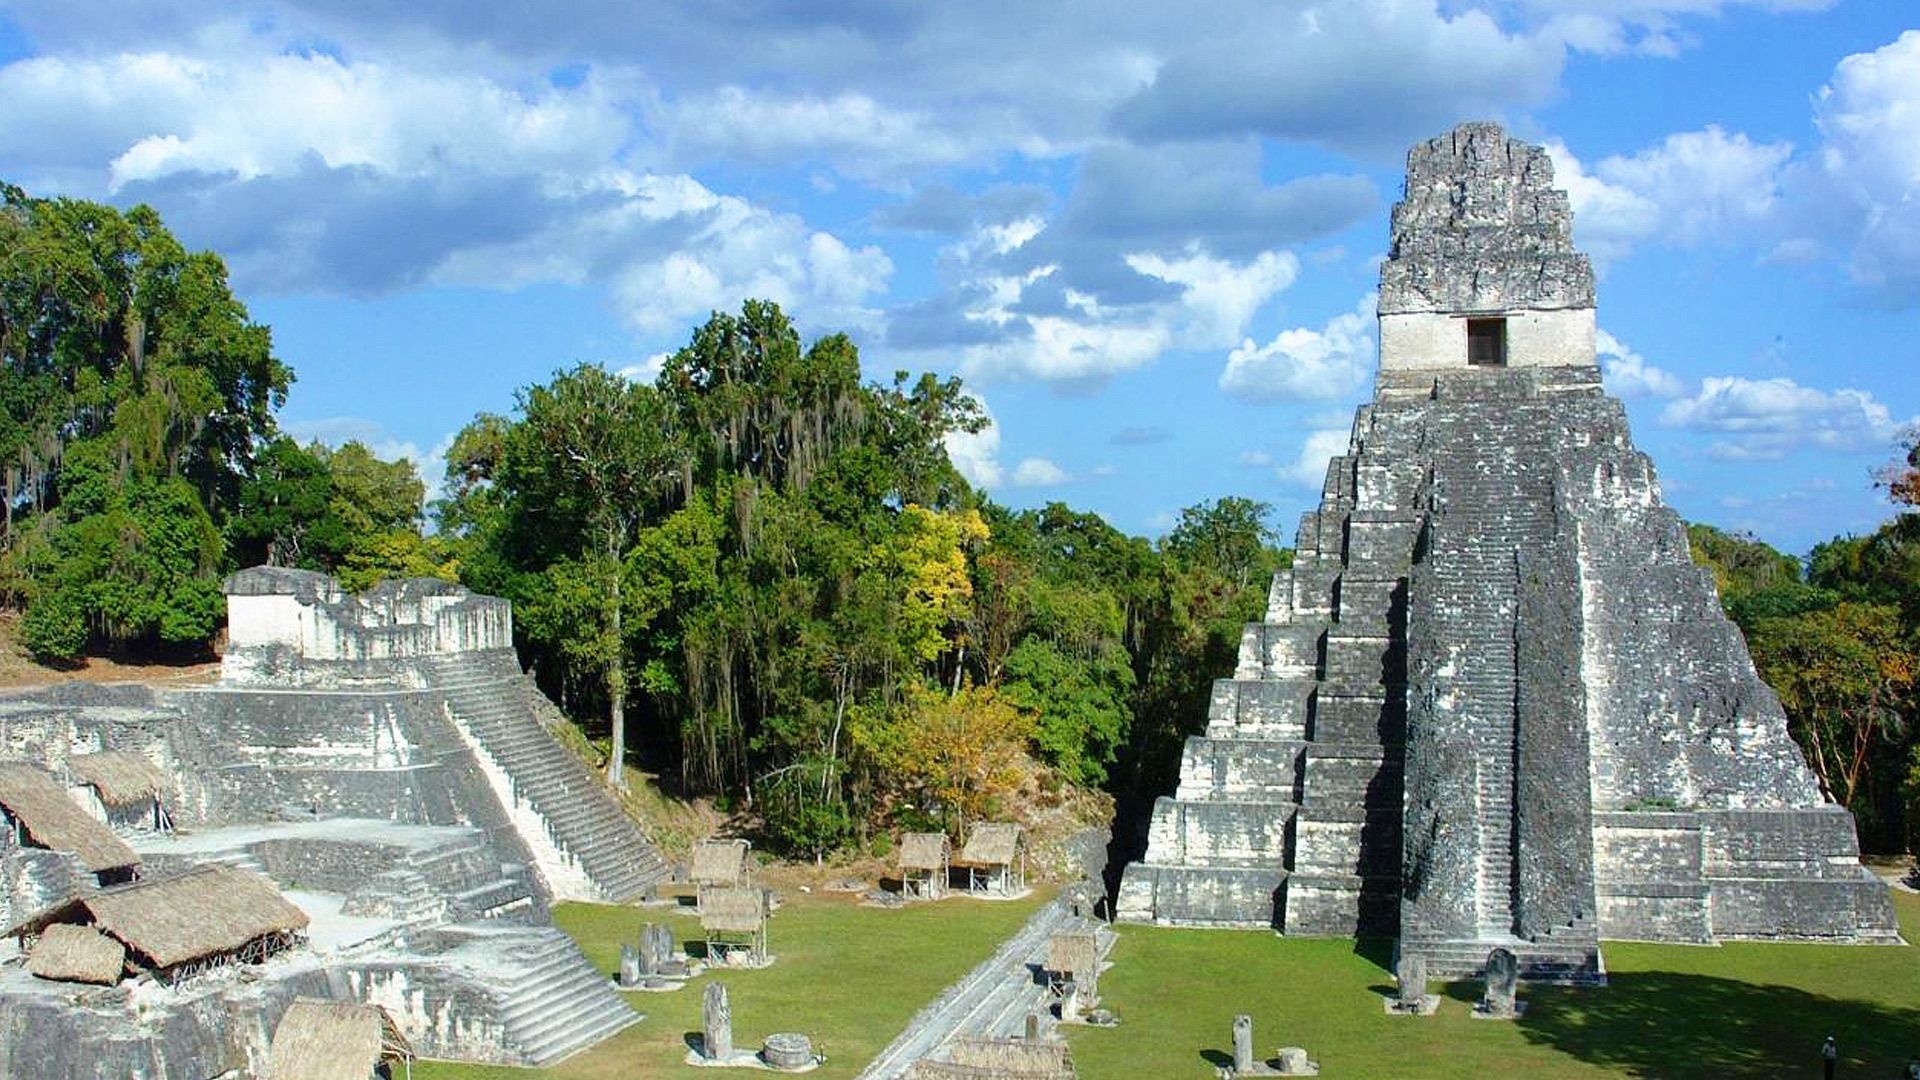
(991, 844)
(925, 851)
(69, 953)
(737, 909)
(976, 1058)
(333, 1040)
(719, 862)
(1075, 952)
(207, 912)
(122, 777)
(52, 820)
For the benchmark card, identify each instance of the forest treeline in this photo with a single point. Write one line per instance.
(769, 575)
(1837, 636)
(141, 458)
(759, 575)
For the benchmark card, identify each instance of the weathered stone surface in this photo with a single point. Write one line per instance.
(1493, 647)
(409, 780)
(1411, 973)
(1293, 1062)
(1503, 980)
(1482, 228)
(1243, 1059)
(716, 1023)
(787, 1050)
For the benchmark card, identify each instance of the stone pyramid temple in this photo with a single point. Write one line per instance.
(1494, 702)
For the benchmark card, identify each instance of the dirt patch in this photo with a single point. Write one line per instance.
(18, 669)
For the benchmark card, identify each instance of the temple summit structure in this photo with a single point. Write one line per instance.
(1494, 703)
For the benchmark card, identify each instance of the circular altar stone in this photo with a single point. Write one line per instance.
(788, 1050)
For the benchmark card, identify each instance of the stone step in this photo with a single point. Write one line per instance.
(581, 817)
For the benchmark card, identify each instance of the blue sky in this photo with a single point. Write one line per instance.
(1146, 235)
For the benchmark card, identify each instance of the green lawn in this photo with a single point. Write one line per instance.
(848, 976)
(1735, 1012)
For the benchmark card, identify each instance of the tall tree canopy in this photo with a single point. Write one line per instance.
(139, 457)
(780, 584)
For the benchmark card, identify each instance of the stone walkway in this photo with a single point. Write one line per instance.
(992, 999)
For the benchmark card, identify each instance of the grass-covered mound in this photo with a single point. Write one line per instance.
(1727, 1013)
(848, 976)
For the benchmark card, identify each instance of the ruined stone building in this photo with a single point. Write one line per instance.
(368, 807)
(1494, 702)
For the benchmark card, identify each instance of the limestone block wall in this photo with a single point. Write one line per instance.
(1437, 341)
(339, 754)
(443, 1013)
(288, 626)
(210, 1028)
(32, 880)
(1676, 713)
(1652, 877)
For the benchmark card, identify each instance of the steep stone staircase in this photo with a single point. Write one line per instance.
(580, 817)
(1494, 480)
(550, 1002)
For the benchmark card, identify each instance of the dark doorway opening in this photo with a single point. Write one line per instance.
(1487, 342)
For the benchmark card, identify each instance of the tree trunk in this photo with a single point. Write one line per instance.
(617, 683)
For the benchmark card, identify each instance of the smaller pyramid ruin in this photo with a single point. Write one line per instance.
(375, 767)
(1494, 702)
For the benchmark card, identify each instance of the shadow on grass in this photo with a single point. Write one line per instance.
(1666, 1024)
(1219, 1059)
(1377, 951)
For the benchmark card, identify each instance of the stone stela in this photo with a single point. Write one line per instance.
(1501, 998)
(1494, 703)
(1287, 1060)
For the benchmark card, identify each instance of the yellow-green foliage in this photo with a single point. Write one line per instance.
(930, 555)
(958, 753)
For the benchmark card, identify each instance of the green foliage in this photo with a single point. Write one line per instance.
(136, 414)
(1840, 645)
(957, 756)
(1740, 564)
(130, 560)
(1081, 705)
(55, 626)
(818, 620)
(1846, 676)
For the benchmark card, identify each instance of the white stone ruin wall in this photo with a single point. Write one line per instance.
(278, 619)
(1434, 341)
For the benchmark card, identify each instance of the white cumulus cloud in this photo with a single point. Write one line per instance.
(1309, 468)
(1694, 187)
(1628, 375)
(1307, 364)
(976, 454)
(1764, 419)
(1038, 472)
(1869, 115)
(1220, 297)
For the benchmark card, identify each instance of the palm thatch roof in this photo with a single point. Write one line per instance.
(991, 844)
(924, 851)
(333, 1040)
(54, 821)
(205, 912)
(719, 862)
(71, 953)
(976, 1058)
(122, 777)
(1075, 952)
(733, 909)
